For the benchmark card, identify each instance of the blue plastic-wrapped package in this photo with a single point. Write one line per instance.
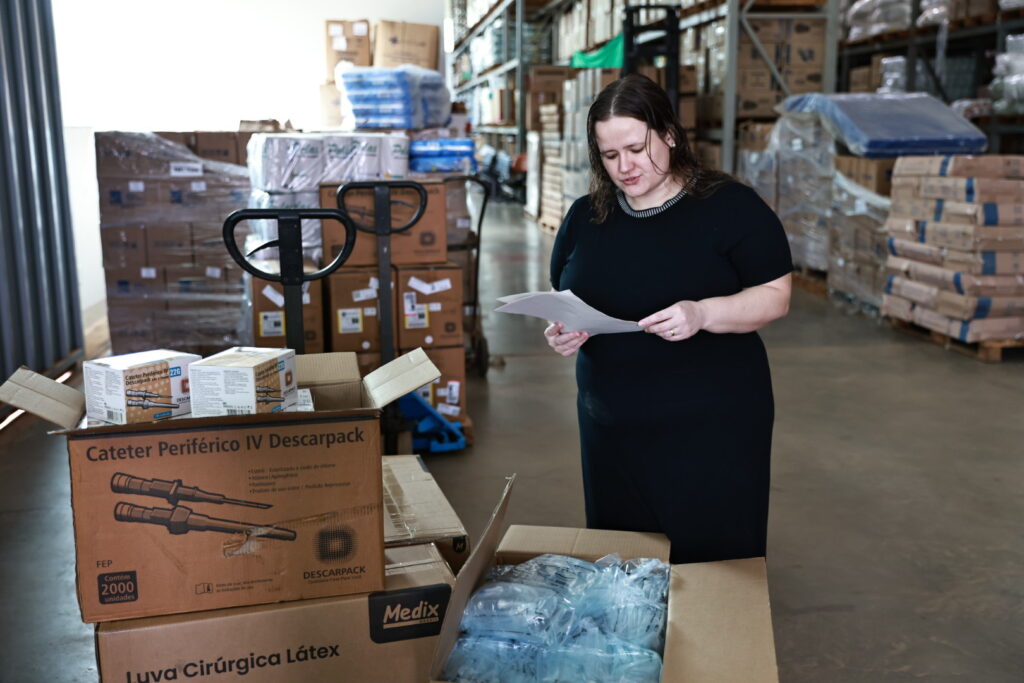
(524, 612)
(442, 164)
(890, 125)
(407, 97)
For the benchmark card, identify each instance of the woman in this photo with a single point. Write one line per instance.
(676, 422)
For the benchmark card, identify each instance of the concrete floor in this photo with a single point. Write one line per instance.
(896, 549)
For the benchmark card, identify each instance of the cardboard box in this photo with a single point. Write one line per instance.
(996, 190)
(547, 78)
(876, 175)
(137, 287)
(939, 211)
(123, 247)
(243, 381)
(316, 530)
(347, 41)
(972, 331)
(447, 394)
(217, 146)
(268, 320)
(367, 363)
(416, 511)
(168, 245)
(688, 112)
(956, 281)
(687, 80)
(204, 285)
(424, 242)
(962, 166)
(208, 244)
(463, 259)
(381, 637)
(754, 136)
(458, 220)
(982, 262)
(710, 155)
(960, 307)
(860, 79)
(957, 236)
(187, 138)
(127, 201)
(430, 306)
(897, 307)
(804, 79)
(137, 387)
(353, 307)
(397, 42)
(709, 604)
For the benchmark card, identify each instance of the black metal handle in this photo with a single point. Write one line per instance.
(382, 192)
(287, 239)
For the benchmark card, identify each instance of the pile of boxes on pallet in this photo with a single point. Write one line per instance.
(170, 280)
(216, 547)
(956, 245)
(867, 78)
(551, 209)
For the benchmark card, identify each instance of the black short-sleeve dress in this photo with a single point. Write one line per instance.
(675, 436)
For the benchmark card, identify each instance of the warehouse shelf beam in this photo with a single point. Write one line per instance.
(961, 34)
(482, 80)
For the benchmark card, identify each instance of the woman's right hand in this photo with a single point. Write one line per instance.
(564, 343)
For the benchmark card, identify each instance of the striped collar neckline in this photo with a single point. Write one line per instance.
(654, 211)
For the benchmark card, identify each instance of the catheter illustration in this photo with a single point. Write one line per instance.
(182, 520)
(144, 394)
(146, 404)
(174, 491)
(269, 399)
(265, 390)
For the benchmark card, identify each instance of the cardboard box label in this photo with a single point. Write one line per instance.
(410, 613)
(271, 323)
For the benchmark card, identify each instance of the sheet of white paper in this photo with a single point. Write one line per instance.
(567, 308)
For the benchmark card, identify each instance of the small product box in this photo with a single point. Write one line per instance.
(243, 381)
(138, 387)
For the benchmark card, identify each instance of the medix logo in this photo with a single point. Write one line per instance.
(424, 613)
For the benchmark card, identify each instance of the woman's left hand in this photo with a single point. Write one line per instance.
(679, 321)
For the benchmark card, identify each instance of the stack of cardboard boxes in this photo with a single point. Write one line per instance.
(170, 279)
(392, 43)
(956, 245)
(579, 95)
(552, 169)
(795, 46)
(427, 288)
(219, 547)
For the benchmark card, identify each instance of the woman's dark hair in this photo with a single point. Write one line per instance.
(640, 98)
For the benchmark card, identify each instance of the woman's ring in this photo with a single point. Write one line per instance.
(672, 332)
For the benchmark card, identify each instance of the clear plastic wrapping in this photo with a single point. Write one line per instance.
(868, 18)
(888, 125)
(442, 155)
(858, 245)
(405, 97)
(170, 280)
(557, 618)
(1008, 87)
(301, 162)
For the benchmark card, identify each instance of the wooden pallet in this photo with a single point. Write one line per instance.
(813, 281)
(880, 38)
(547, 225)
(987, 351)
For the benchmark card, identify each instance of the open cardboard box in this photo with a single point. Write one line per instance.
(289, 505)
(719, 620)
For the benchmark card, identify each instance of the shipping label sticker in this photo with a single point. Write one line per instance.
(370, 311)
(147, 273)
(339, 43)
(409, 303)
(364, 294)
(417, 320)
(374, 283)
(335, 29)
(442, 285)
(213, 272)
(450, 411)
(462, 222)
(434, 306)
(274, 295)
(136, 186)
(360, 28)
(198, 185)
(305, 299)
(350, 320)
(186, 169)
(420, 286)
(452, 392)
(272, 323)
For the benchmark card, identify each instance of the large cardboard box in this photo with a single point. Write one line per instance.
(330, 106)
(380, 637)
(430, 306)
(208, 244)
(137, 287)
(243, 380)
(996, 190)
(447, 394)
(127, 201)
(168, 244)
(957, 236)
(876, 175)
(123, 247)
(962, 166)
(688, 111)
(424, 242)
(398, 42)
(860, 79)
(301, 510)
(217, 146)
(353, 308)
(268, 323)
(416, 511)
(719, 619)
(347, 41)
